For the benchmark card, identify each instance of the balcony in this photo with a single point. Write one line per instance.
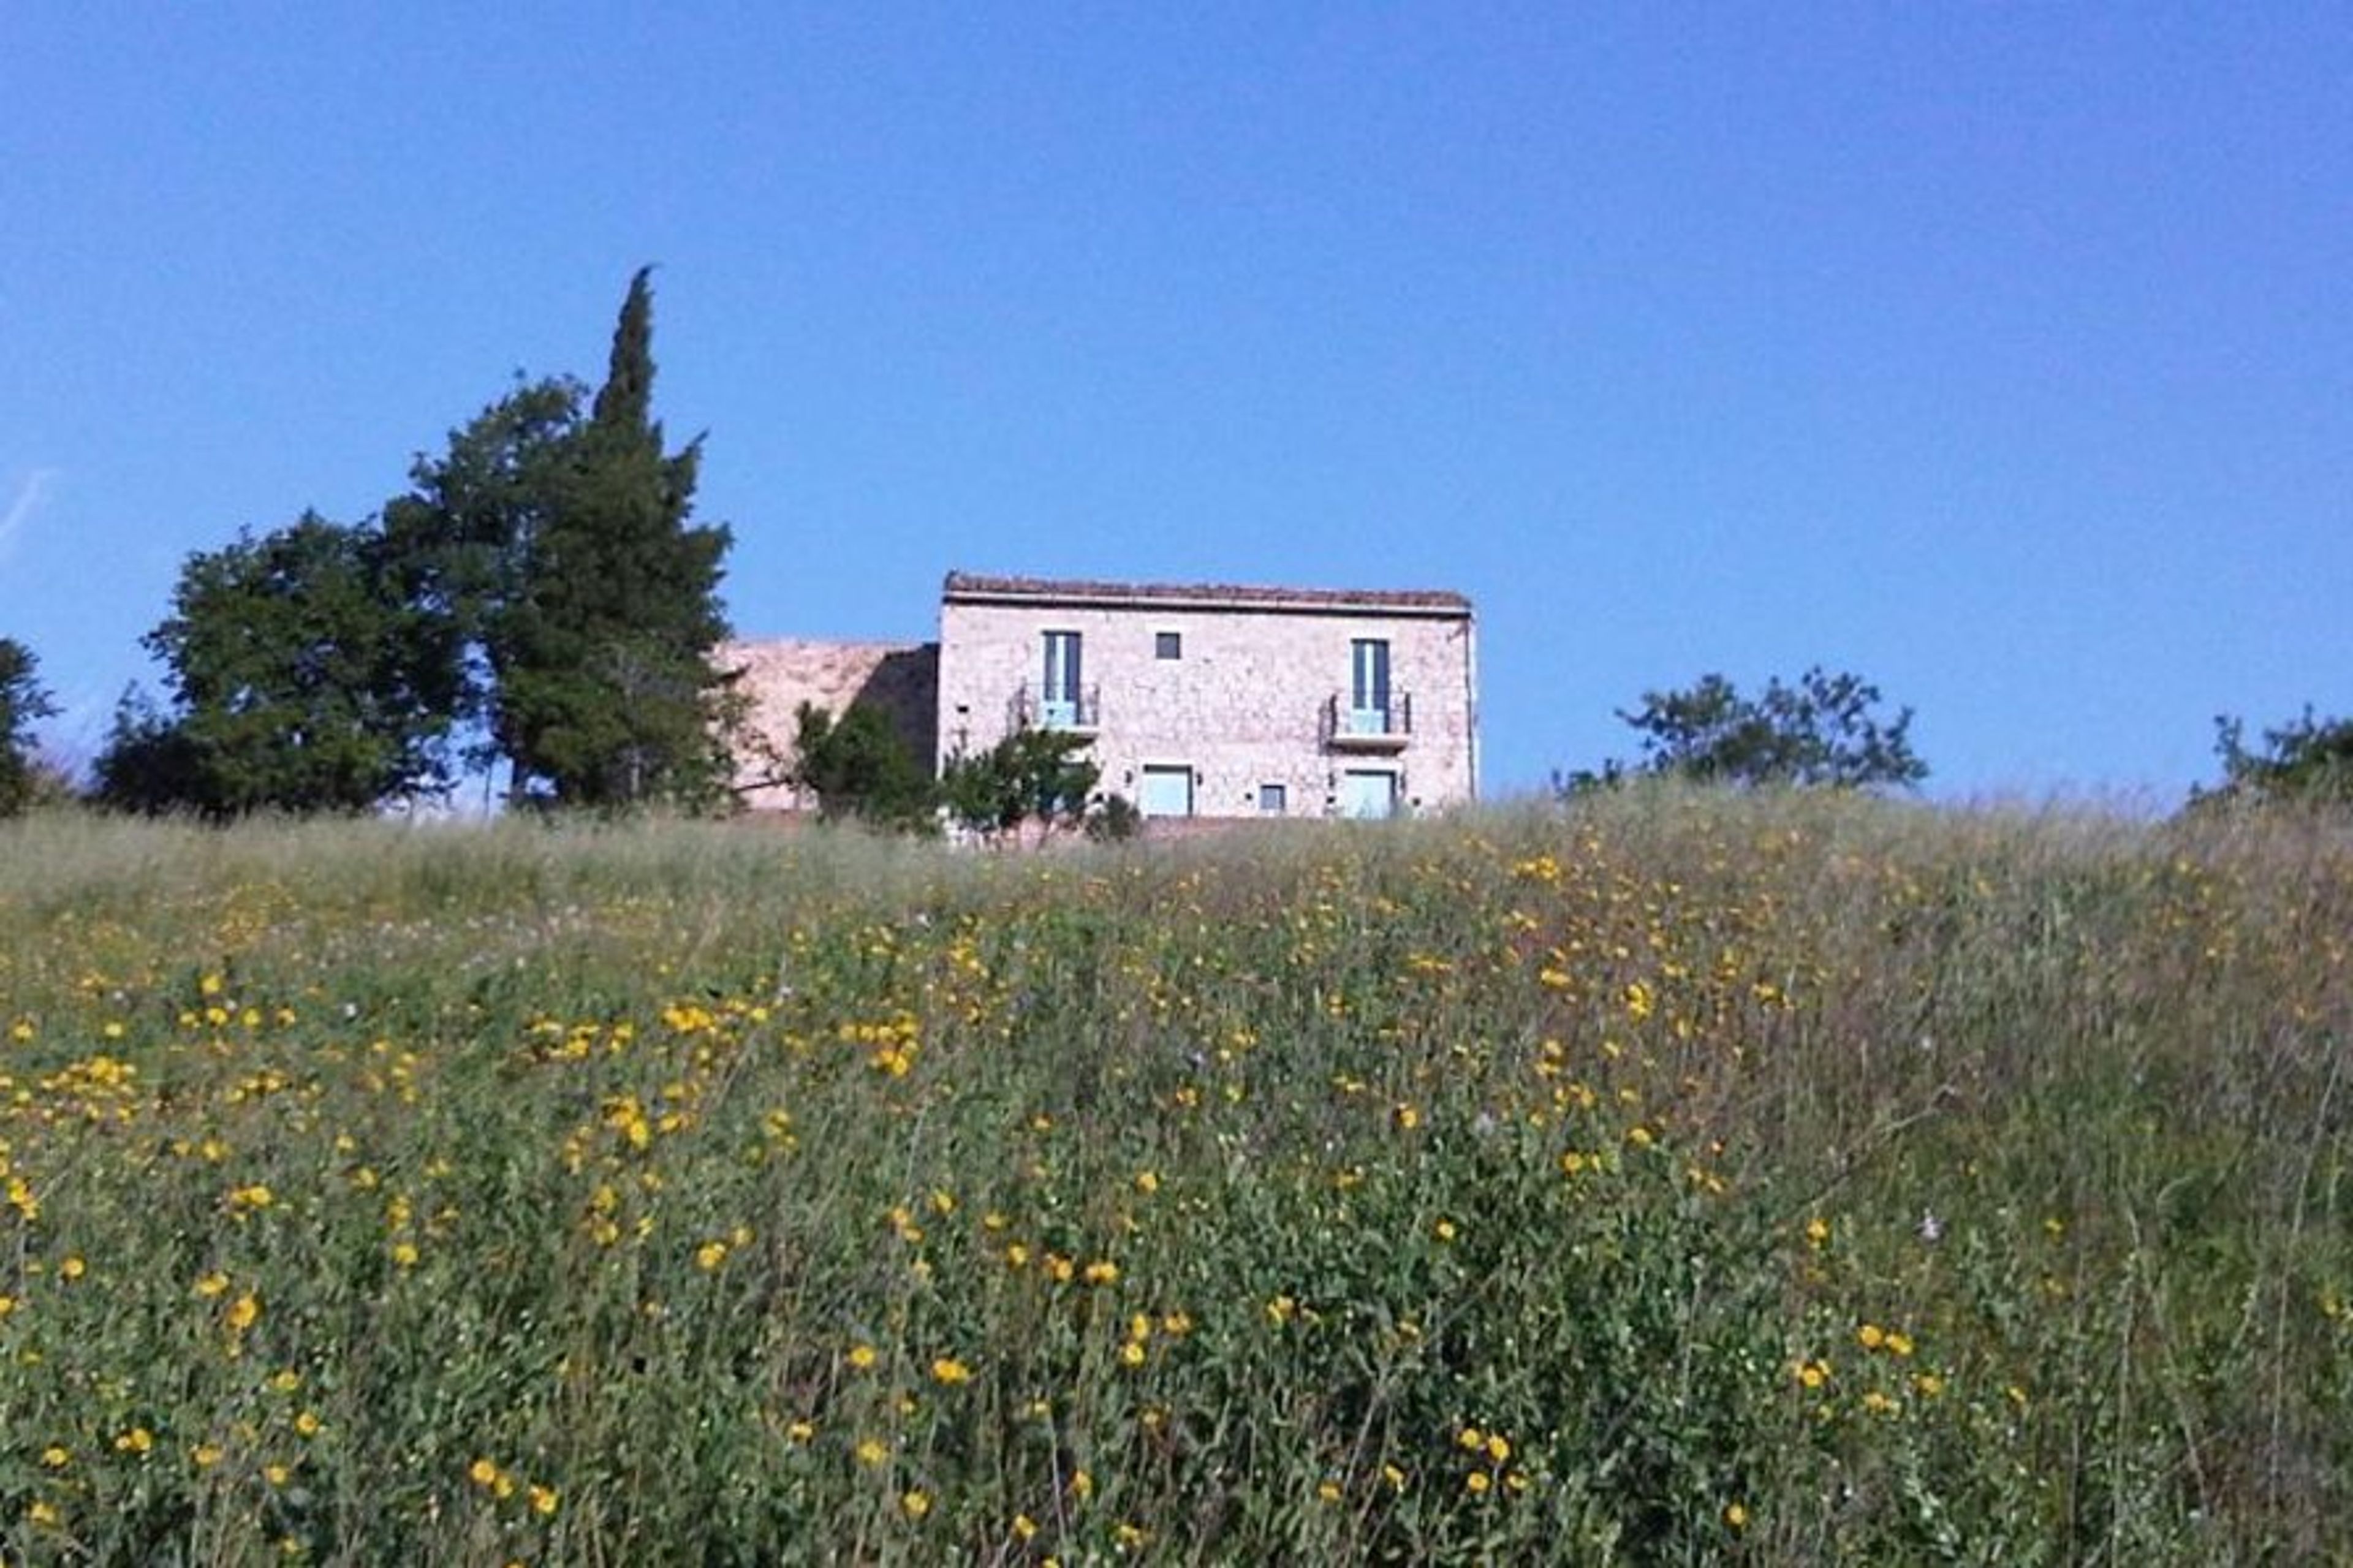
(1371, 731)
(1076, 712)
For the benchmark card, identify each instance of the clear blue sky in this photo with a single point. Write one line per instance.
(2002, 353)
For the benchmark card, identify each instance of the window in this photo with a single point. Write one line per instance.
(1166, 791)
(1168, 644)
(1273, 800)
(1057, 707)
(1368, 686)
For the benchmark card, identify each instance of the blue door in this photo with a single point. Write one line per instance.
(1368, 686)
(1166, 791)
(1368, 794)
(1058, 706)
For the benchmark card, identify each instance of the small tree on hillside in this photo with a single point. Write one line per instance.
(2310, 758)
(22, 703)
(1824, 730)
(860, 766)
(1030, 775)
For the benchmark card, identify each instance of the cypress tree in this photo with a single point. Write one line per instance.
(605, 695)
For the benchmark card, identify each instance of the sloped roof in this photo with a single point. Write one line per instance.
(969, 586)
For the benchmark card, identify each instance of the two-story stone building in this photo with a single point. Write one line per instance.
(1195, 701)
(1222, 701)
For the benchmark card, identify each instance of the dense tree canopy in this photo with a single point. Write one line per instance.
(1030, 775)
(464, 533)
(860, 767)
(537, 597)
(559, 545)
(1825, 730)
(302, 679)
(23, 704)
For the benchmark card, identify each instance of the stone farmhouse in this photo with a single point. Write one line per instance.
(1197, 702)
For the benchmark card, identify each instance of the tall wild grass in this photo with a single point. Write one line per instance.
(1676, 1178)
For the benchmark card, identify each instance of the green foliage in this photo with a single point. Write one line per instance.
(2308, 760)
(1776, 1178)
(605, 695)
(1823, 731)
(302, 681)
(537, 592)
(552, 539)
(1031, 775)
(1115, 820)
(464, 534)
(860, 767)
(22, 703)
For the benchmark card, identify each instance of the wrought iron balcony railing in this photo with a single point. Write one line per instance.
(1349, 728)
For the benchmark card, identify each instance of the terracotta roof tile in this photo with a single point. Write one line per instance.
(973, 584)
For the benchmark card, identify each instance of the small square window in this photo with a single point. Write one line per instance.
(1168, 644)
(1273, 800)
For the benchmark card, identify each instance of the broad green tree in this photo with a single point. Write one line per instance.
(23, 704)
(1827, 729)
(860, 767)
(461, 538)
(1030, 775)
(301, 679)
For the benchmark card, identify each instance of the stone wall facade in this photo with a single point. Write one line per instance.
(1221, 702)
(780, 674)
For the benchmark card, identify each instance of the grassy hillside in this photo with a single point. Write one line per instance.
(1678, 1179)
